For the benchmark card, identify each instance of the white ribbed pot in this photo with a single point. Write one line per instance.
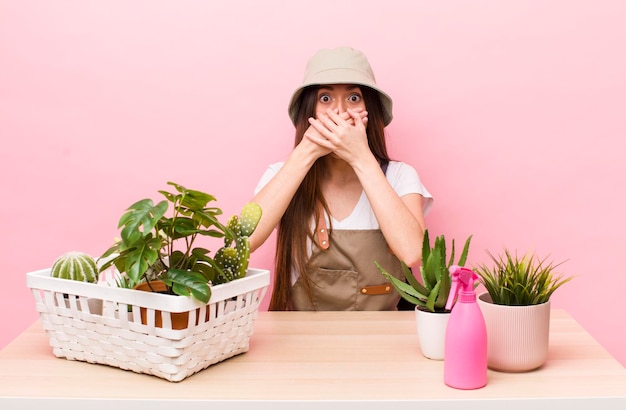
(517, 336)
(431, 332)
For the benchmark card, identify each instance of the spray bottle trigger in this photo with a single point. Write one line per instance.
(454, 287)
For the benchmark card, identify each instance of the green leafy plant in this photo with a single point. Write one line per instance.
(520, 281)
(432, 293)
(155, 246)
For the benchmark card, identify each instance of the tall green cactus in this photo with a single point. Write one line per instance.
(233, 260)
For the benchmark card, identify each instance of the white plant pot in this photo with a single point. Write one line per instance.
(431, 333)
(517, 336)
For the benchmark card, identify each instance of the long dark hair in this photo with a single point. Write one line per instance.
(295, 226)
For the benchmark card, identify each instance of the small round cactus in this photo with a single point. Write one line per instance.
(75, 266)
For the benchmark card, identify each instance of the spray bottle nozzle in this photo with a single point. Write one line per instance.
(462, 277)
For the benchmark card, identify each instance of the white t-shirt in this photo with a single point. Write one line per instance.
(401, 176)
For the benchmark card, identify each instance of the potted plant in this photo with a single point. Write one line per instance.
(431, 294)
(160, 252)
(78, 266)
(516, 307)
(217, 293)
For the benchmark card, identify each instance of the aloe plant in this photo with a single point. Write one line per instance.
(433, 290)
(156, 246)
(520, 281)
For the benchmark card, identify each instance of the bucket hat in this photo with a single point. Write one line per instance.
(342, 65)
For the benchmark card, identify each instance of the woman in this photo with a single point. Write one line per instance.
(338, 201)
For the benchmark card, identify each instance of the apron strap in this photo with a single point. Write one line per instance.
(322, 229)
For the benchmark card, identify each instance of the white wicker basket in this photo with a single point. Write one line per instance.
(83, 322)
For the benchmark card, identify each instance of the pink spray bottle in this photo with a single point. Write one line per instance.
(465, 355)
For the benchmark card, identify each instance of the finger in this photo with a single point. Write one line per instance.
(356, 117)
(311, 131)
(320, 125)
(347, 118)
(332, 121)
(336, 117)
(320, 141)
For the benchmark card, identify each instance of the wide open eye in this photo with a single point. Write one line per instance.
(325, 98)
(354, 98)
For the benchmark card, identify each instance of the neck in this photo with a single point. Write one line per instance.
(338, 170)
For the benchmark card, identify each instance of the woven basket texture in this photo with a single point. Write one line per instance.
(103, 329)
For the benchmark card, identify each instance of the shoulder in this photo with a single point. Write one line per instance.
(400, 168)
(276, 166)
(270, 172)
(405, 180)
(402, 173)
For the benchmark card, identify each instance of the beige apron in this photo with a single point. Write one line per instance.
(344, 275)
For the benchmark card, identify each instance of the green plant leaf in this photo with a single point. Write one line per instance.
(430, 302)
(407, 292)
(452, 249)
(186, 283)
(412, 280)
(519, 281)
(205, 270)
(183, 227)
(140, 258)
(114, 249)
(196, 200)
(207, 219)
(443, 290)
(140, 219)
(430, 268)
(179, 260)
(463, 258)
(426, 246)
(403, 287)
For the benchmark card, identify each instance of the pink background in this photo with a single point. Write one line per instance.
(513, 112)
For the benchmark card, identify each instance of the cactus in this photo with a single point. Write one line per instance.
(233, 261)
(250, 217)
(75, 266)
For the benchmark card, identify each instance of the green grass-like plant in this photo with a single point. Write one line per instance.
(520, 281)
(432, 293)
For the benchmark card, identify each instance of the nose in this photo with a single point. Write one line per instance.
(340, 105)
